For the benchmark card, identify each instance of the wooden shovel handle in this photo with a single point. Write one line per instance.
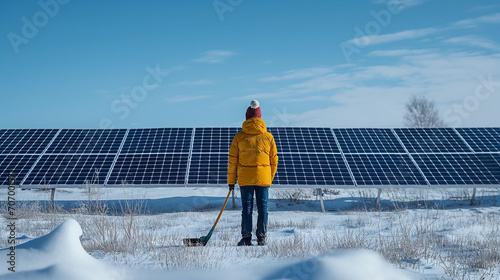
(223, 207)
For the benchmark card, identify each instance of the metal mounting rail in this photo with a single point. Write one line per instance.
(116, 157)
(40, 157)
(190, 155)
(411, 158)
(467, 144)
(344, 158)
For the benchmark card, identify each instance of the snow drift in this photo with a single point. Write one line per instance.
(59, 255)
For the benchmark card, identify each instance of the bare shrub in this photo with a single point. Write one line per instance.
(422, 112)
(293, 195)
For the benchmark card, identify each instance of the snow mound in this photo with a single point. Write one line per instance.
(57, 255)
(343, 265)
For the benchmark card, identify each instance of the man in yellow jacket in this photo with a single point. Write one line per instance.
(253, 160)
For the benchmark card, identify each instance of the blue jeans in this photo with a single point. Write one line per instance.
(261, 195)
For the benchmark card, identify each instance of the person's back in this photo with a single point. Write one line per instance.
(253, 149)
(253, 161)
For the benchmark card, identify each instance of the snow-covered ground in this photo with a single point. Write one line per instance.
(418, 234)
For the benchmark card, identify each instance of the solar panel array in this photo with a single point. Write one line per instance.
(349, 157)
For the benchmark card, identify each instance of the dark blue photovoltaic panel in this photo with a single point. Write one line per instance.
(497, 158)
(208, 169)
(304, 139)
(87, 141)
(384, 169)
(20, 164)
(25, 141)
(158, 140)
(307, 156)
(70, 170)
(368, 140)
(459, 169)
(312, 169)
(482, 139)
(213, 140)
(431, 140)
(149, 169)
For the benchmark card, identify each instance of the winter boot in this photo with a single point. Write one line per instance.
(261, 241)
(245, 242)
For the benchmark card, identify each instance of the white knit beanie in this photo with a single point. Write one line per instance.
(254, 104)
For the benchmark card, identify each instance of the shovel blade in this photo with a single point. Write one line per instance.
(193, 242)
(202, 241)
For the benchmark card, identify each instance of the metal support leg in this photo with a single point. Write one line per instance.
(320, 191)
(52, 194)
(378, 199)
(473, 199)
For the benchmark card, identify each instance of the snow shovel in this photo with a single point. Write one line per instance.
(202, 241)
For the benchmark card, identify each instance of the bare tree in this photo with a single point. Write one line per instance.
(422, 112)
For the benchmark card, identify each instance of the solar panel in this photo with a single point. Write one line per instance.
(459, 169)
(482, 139)
(358, 140)
(384, 169)
(432, 140)
(213, 140)
(70, 170)
(497, 158)
(20, 164)
(25, 141)
(208, 169)
(87, 141)
(149, 169)
(312, 169)
(308, 156)
(304, 140)
(158, 140)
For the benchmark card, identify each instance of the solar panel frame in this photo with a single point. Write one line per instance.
(157, 140)
(432, 140)
(398, 170)
(20, 164)
(149, 169)
(304, 140)
(370, 140)
(70, 169)
(213, 140)
(459, 169)
(482, 139)
(25, 141)
(81, 141)
(299, 169)
(208, 168)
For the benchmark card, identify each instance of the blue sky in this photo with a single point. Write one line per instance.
(131, 64)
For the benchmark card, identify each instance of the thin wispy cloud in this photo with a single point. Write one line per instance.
(196, 83)
(484, 8)
(214, 56)
(474, 41)
(402, 4)
(382, 90)
(185, 98)
(393, 37)
(263, 95)
(306, 99)
(474, 22)
(400, 52)
(298, 74)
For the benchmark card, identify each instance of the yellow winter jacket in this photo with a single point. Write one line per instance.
(253, 156)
